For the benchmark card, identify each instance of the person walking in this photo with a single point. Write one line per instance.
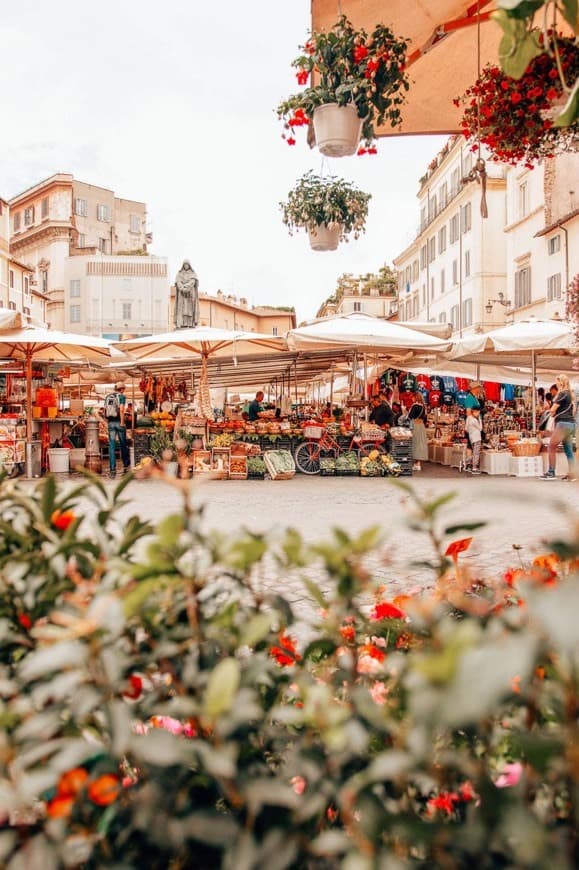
(563, 413)
(114, 412)
(417, 417)
(473, 426)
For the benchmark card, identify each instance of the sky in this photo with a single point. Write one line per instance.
(173, 104)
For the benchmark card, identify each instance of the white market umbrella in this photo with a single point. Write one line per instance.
(370, 334)
(545, 344)
(39, 344)
(201, 341)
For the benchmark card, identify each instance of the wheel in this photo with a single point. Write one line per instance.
(367, 448)
(307, 457)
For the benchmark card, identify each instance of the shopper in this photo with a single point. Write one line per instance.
(563, 414)
(114, 413)
(381, 413)
(255, 407)
(473, 426)
(417, 417)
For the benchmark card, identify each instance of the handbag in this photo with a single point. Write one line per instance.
(544, 419)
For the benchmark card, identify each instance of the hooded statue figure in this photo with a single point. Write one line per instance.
(186, 297)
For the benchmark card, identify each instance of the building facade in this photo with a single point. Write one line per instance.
(226, 311)
(457, 259)
(360, 301)
(61, 218)
(18, 289)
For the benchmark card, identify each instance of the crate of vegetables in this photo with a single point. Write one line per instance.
(255, 468)
(348, 464)
(238, 468)
(279, 464)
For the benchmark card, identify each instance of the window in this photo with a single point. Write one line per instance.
(273, 330)
(135, 223)
(80, 206)
(75, 313)
(454, 316)
(103, 213)
(44, 204)
(415, 270)
(554, 287)
(454, 181)
(423, 218)
(16, 221)
(466, 218)
(467, 164)
(454, 273)
(408, 275)
(467, 313)
(423, 257)
(357, 306)
(415, 305)
(442, 239)
(432, 288)
(127, 310)
(523, 199)
(11, 279)
(44, 281)
(81, 240)
(442, 280)
(75, 287)
(29, 216)
(432, 249)
(442, 317)
(400, 281)
(453, 229)
(104, 245)
(432, 207)
(26, 284)
(424, 295)
(466, 264)
(12, 306)
(442, 196)
(523, 287)
(554, 244)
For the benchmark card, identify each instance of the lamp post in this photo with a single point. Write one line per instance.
(501, 300)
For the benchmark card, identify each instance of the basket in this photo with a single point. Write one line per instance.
(312, 431)
(273, 473)
(526, 448)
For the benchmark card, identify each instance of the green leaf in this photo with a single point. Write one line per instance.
(47, 502)
(431, 508)
(571, 14)
(169, 529)
(319, 649)
(222, 687)
(570, 112)
(521, 9)
(256, 629)
(315, 592)
(516, 56)
(463, 527)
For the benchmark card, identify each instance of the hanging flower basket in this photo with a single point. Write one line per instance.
(337, 129)
(350, 68)
(329, 208)
(324, 238)
(514, 118)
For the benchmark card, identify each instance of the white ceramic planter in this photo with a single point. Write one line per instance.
(324, 239)
(337, 129)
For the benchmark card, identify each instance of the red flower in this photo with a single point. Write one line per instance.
(516, 97)
(25, 621)
(61, 520)
(60, 807)
(348, 632)
(385, 610)
(104, 790)
(372, 150)
(553, 74)
(134, 689)
(310, 46)
(360, 53)
(291, 140)
(552, 94)
(286, 653)
(361, 151)
(445, 802)
(372, 65)
(457, 547)
(302, 76)
(71, 782)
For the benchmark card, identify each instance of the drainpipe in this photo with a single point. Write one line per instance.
(565, 230)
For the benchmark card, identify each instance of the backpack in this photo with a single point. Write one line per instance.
(112, 406)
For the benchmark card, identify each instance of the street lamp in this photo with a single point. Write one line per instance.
(500, 301)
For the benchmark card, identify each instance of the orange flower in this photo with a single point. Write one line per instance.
(516, 684)
(547, 561)
(60, 807)
(61, 520)
(71, 782)
(286, 653)
(457, 547)
(104, 790)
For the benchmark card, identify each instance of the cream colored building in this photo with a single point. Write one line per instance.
(225, 311)
(365, 302)
(60, 218)
(457, 259)
(18, 290)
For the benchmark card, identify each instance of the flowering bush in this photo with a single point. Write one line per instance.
(514, 117)
(572, 304)
(350, 66)
(329, 200)
(169, 711)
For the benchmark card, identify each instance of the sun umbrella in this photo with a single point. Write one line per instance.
(364, 332)
(547, 344)
(40, 344)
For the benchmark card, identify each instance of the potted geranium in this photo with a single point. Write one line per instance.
(356, 82)
(514, 118)
(329, 208)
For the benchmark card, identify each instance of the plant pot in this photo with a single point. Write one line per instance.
(337, 129)
(323, 238)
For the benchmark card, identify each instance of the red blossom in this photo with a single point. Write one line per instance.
(445, 802)
(361, 151)
(25, 621)
(457, 547)
(360, 53)
(135, 688)
(286, 653)
(61, 520)
(348, 632)
(291, 140)
(302, 76)
(386, 610)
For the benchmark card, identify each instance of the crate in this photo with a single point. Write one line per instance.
(238, 468)
(493, 462)
(256, 475)
(526, 466)
(273, 473)
(328, 454)
(141, 442)
(341, 473)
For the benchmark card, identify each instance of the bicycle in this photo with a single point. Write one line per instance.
(307, 455)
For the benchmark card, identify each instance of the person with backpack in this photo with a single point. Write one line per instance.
(114, 413)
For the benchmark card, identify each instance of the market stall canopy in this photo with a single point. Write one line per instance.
(554, 337)
(442, 56)
(369, 334)
(201, 341)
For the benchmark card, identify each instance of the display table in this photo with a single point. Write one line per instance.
(496, 461)
(526, 466)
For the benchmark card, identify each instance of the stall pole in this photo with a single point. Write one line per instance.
(331, 388)
(533, 392)
(366, 386)
(133, 415)
(28, 453)
(296, 382)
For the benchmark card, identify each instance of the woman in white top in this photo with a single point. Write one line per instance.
(473, 426)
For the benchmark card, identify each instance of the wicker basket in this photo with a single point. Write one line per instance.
(526, 448)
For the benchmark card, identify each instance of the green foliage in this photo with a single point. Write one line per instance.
(161, 444)
(173, 710)
(317, 200)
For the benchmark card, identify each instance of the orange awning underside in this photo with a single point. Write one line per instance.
(442, 51)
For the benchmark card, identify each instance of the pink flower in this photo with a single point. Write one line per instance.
(298, 784)
(510, 776)
(378, 693)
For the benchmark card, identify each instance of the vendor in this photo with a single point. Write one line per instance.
(381, 413)
(255, 407)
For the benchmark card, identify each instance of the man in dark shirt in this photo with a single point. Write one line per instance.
(381, 413)
(255, 407)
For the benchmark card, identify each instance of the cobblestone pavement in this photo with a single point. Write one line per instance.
(518, 511)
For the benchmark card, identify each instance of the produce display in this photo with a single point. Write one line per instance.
(348, 462)
(280, 464)
(328, 465)
(255, 465)
(224, 439)
(371, 467)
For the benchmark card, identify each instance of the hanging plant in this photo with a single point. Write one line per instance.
(351, 67)
(331, 202)
(572, 305)
(514, 118)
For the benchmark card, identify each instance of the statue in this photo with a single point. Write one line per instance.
(186, 297)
